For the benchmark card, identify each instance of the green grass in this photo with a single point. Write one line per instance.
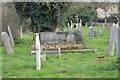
(22, 65)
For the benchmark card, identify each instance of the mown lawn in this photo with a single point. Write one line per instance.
(23, 65)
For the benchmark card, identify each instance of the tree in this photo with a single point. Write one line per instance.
(42, 16)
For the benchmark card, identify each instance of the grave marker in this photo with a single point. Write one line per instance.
(59, 52)
(113, 39)
(119, 42)
(38, 52)
(71, 26)
(6, 42)
(76, 26)
(21, 33)
(86, 25)
(91, 33)
(11, 37)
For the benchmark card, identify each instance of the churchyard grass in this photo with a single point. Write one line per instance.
(22, 65)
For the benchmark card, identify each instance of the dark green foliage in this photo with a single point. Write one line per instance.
(42, 16)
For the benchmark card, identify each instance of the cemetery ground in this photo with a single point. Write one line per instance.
(71, 65)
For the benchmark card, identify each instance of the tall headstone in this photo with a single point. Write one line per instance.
(91, 33)
(76, 26)
(86, 25)
(113, 39)
(38, 52)
(11, 36)
(119, 42)
(21, 36)
(80, 26)
(71, 26)
(6, 42)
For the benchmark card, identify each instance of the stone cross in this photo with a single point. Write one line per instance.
(38, 52)
(113, 39)
(21, 33)
(11, 37)
(119, 42)
(91, 33)
(86, 25)
(59, 52)
(6, 42)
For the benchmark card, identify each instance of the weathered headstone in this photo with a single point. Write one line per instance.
(38, 52)
(11, 37)
(43, 57)
(70, 38)
(113, 39)
(100, 31)
(119, 42)
(76, 26)
(6, 42)
(91, 33)
(21, 36)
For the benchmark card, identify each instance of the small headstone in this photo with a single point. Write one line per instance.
(70, 38)
(59, 52)
(11, 37)
(91, 33)
(119, 42)
(43, 57)
(38, 52)
(113, 39)
(69, 26)
(6, 42)
(100, 31)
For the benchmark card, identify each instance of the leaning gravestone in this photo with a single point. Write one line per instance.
(6, 42)
(119, 42)
(11, 37)
(113, 39)
(100, 31)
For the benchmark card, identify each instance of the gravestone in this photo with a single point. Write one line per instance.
(119, 42)
(80, 26)
(113, 39)
(100, 31)
(11, 36)
(21, 33)
(6, 42)
(86, 25)
(91, 33)
(59, 52)
(76, 26)
(70, 38)
(38, 52)
(71, 26)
